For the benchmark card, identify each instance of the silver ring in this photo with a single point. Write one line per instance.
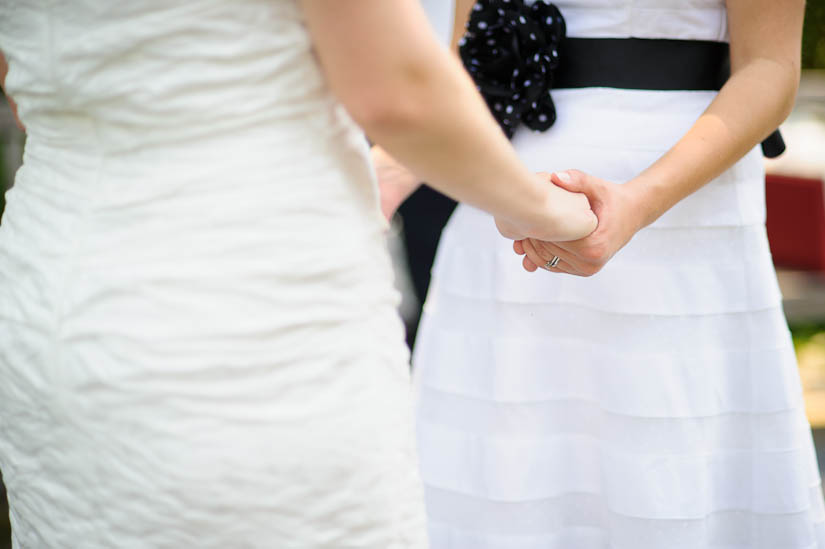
(553, 262)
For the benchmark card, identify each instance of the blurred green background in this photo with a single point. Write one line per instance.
(809, 339)
(813, 39)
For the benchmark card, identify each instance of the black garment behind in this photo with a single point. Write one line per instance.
(425, 214)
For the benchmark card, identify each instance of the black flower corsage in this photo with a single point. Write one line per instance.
(511, 50)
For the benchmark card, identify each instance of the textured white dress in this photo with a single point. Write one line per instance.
(198, 339)
(656, 405)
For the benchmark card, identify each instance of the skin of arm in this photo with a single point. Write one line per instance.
(462, 14)
(4, 69)
(412, 97)
(765, 40)
(395, 181)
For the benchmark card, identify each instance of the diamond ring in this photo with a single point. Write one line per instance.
(553, 262)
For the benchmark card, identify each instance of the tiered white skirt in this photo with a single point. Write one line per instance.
(656, 404)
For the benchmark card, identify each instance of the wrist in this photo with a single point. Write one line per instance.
(544, 211)
(561, 215)
(526, 209)
(645, 195)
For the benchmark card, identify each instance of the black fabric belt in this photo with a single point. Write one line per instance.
(649, 64)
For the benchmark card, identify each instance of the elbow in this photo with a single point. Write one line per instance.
(790, 87)
(4, 69)
(388, 121)
(393, 105)
(389, 114)
(786, 109)
(790, 98)
(381, 114)
(775, 82)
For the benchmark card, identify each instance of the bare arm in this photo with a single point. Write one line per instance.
(4, 69)
(765, 62)
(462, 14)
(413, 98)
(396, 182)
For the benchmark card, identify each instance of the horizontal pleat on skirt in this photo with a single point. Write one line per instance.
(655, 404)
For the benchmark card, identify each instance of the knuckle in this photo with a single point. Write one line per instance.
(590, 271)
(538, 248)
(594, 254)
(548, 253)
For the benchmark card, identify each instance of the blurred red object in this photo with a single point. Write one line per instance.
(796, 222)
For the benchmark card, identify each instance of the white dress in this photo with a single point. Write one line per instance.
(198, 339)
(655, 405)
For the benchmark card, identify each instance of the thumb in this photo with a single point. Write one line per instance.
(570, 180)
(575, 181)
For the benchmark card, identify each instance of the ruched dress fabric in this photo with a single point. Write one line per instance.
(655, 405)
(198, 338)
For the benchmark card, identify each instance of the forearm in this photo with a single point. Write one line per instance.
(765, 40)
(380, 157)
(420, 105)
(455, 127)
(742, 115)
(450, 141)
(4, 68)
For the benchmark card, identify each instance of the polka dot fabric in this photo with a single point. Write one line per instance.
(512, 51)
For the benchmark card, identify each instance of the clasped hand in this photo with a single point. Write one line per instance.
(575, 194)
(620, 217)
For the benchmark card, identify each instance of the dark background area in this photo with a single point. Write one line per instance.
(813, 39)
(813, 57)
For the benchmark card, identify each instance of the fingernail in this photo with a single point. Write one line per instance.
(564, 176)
